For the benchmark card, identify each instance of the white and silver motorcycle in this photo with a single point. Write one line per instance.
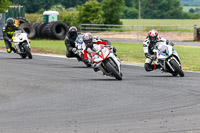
(107, 62)
(168, 59)
(22, 45)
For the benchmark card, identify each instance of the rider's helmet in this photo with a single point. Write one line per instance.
(10, 22)
(153, 35)
(73, 32)
(88, 39)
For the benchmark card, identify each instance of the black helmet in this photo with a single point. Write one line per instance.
(88, 38)
(10, 22)
(153, 35)
(73, 31)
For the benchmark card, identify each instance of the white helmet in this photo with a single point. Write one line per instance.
(153, 35)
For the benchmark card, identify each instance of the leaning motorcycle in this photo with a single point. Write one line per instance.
(107, 62)
(168, 59)
(22, 45)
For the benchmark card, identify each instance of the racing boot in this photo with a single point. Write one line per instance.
(13, 49)
(9, 50)
(96, 69)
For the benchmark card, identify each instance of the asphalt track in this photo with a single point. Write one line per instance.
(59, 95)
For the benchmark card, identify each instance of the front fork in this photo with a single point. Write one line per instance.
(168, 62)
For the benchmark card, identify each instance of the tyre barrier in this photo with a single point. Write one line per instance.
(55, 30)
(28, 29)
(39, 30)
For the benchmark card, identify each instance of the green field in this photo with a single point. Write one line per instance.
(127, 52)
(187, 8)
(161, 21)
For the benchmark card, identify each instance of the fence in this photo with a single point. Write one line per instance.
(139, 32)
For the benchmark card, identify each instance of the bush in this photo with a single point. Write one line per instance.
(90, 13)
(129, 13)
(69, 17)
(34, 17)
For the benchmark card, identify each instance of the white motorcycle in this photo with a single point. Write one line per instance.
(107, 62)
(81, 51)
(168, 59)
(22, 45)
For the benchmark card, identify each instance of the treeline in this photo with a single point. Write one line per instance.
(150, 9)
(190, 2)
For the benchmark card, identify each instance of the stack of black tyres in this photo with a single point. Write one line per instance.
(55, 30)
(25, 24)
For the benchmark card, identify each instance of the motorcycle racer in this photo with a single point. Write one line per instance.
(70, 42)
(148, 45)
(92, 42)
(8, 32)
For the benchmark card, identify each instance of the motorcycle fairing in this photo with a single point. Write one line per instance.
(100, 55)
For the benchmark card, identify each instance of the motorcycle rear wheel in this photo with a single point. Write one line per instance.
(177, 68)
(113, 71)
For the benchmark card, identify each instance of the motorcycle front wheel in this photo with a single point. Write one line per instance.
(113, 71)
(177, 68)
(23, 56)
(28, 52)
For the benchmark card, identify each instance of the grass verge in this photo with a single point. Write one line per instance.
(127, 52)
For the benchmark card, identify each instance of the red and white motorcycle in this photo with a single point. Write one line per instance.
(107, 62)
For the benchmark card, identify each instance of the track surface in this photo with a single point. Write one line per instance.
(59, 95)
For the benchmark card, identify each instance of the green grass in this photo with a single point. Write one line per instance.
(161, 21)
(127, 52)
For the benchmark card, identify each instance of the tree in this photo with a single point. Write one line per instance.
(191, 10)
(160, 9)
(130, 13)
(90, 12)
(112, 10)
(58, 7)
(4, 5)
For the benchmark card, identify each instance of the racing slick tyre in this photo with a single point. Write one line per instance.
(28, 29)
(177, 68)
(113, 71)
(87, 64)
(28, 52)
(23, 56)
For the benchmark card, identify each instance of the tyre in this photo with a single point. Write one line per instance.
(87, 64)
(39, 30)
(174, 74)
(28, 29)
(112, 69)
(28, 52)
(47, 30)
(177, 68)
(57, 30)
(22, 20)
(23, 56)
(60, 30)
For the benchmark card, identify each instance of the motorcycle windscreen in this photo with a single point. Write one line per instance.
(97, 57)
(100, 55)
(163, 52)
